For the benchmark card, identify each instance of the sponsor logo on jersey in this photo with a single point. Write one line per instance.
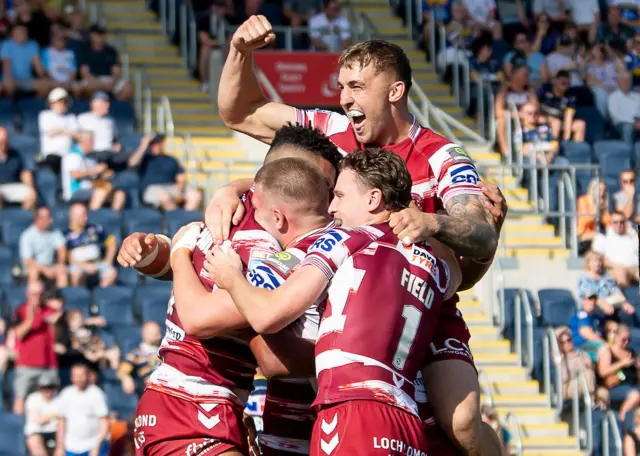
(458, 154)
(396, 446)
(283, 262)
(203, 447)
(262, 276)
(174, 332)
(451, 345)
(328, 242)
(257, 256)
(463, 174)
(423, 259)
(145, 421)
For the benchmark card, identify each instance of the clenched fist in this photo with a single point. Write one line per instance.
(254, 33)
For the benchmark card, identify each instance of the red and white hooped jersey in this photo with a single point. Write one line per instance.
(383, 302)
(219, 368)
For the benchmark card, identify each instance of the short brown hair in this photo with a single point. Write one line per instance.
(383, 55)
(384, 170)
(296, 180)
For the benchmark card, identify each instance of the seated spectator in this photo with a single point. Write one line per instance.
(619, 246)
(162, 178)
(601, 76)
(330, 30)
(625, 199)
(7, 353)
(554, 9)
(86, 180)
(538, 143)
(483, 15)
(16, 181)
(614, 29)
(586, 15)
(35, 15)
(100, 67)
(142, 361)
(594, 284)
(58, 128)
(83, 425)
(101, 124)
(482, 65)
(573, 362)
(86, 346)
(60, 64)
(35, 358)
(618, 368)
(39, 247)
(586, 328)
(91, 250)
(564, 59)
(490, 416)
(123, 438)
(631, 440)
(297, 13)
(41, 422)
(529, 53)
(560, 109)
(624, 108)
(610, 329)
(631, 59)
(629, 11)
(459, 35)
(76, 27)
(595, 205)
(20, 59)
(69, 334)
(439, 11)
(206, 44)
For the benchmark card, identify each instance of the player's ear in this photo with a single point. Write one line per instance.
(396, 91)
(375, 200)
(278, 218)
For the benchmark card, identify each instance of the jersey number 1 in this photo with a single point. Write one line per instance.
(412, 317)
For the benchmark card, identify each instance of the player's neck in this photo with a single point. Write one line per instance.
(379, 217)
(305, 226)
(398, 130)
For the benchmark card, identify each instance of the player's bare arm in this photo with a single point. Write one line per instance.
(266, 311)
(226, 209)
(242, 105)
(277, 357)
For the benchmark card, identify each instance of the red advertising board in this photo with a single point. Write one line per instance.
(308, 79)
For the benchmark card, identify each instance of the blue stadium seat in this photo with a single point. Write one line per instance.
(128, 277)
(510, 312)
(108, 338)
(29, 109)
(633, 295)
(595, 123)
(6, 113)
(124, 405)
(80, 106)
(153, 303)
(12, 223)
(613, 156)
(129, 181)
(130, 142)
(12, 435)
(146, 219)
(163, 284)
(635, 339)
(557, 306)
(124, 115)
(115, 304)
(178, 218)
(60, 216)
(16, 296)
(48, 186)
(110, 220)
(77, 298)
(127, 336)
(27, 146)
(6, 264)
(579, 154)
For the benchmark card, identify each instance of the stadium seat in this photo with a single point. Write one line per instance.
(613, 156)
(108, 338)
(633, 296)
(80, 106)
(510, 311)
(146, 219)
(153, 303)
(60, 216)
(579, 154)
(127, 336)
(124, 115)
(110, 220)
(16, 296)
(163, 284)
(557, 306)
(6, 265)
(6, 113)
(77, 298)
(29, 109)
(124, 405)
(178, 218)
(129, 181)
(27, 146)
(13, 222)
(48, 186)
(634, 343)
(130, 142)
(595, 123)
(12, 435)
(128, 277)
(115, 304)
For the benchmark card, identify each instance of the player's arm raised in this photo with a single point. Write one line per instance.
(242, 105)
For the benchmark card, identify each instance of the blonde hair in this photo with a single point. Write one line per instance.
(590, 256)
(594, 190)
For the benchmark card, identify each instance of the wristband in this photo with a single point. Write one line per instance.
(189, 240)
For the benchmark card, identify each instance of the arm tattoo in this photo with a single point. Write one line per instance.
(466, 228)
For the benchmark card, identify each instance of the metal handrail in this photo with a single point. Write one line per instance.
(551, 353)
(611, 421)
(522, 304)
(485, 387)
(580, 382)
(164, 119)
(513, 424)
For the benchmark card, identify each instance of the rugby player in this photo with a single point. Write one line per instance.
(383, 303)
(375, 79)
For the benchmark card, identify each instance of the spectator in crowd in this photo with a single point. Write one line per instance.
(16, 181)
(298, 13)
(490, 416)
(586, 15)
(624, 108)
(41, 422)
(60, 64)
(629, 11)
(586, 328)
(554, 9)
(538, 143)
(330, 30)
(43, 251)
(101, 124)
(100, 67)
(596, 285)
(58, 128)
(142, 361)
(76, 27)
(482, 64)
(91, 250)
(614, 29)
(618, 368)
(20, 59)
(601, 75)
(596, 202)
(86, 180)
(632, 436)
(526, 52)
(68, 345)
(631, 59)
(35, 15)
(573, 362)
(162, 178)
(483, 15)
(83, 424)
(560, 108)
(619, 246)
(564, 59)
(625, 199)
(33, 327)
(86, 344)
(7, 354)
(459, 35)
(610, 329)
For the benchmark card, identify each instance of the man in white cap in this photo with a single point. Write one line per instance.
(58, 128)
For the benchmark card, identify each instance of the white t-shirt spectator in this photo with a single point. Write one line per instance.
(40, 246)
(480, 9)
(617, 248)
(75, 161)
(82, 411)
(582, 11)
(552, 7)
(36, 405)
(556, 62)
(624, 107)
(331, 33)
(59, 144)
(103, 129)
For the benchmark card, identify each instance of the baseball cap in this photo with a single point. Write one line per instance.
(57, 94)
(157, 138)
(100, 95)
(97, 28)
(47, 381)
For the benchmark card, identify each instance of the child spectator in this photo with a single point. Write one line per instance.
(41, 422)
(142, 361)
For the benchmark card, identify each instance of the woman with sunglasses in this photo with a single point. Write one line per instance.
(573, 361)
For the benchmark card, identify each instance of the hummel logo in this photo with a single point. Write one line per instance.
(209, 423)
(328, 428)
(331, 445)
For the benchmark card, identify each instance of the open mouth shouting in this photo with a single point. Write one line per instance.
(358, 119)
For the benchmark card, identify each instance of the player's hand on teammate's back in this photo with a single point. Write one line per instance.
(223, 265)
(254, 33)
(495, 202)
(412, 225)
(135, 248)
(224, 209)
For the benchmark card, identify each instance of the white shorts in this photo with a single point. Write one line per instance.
(15, 192)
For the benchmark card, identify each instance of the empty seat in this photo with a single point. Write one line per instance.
(178, 218)
(128, 337)
(80, 106)
(27, 146)
(633, 295)
(129, 181)
(6, 113)
(77, 298)
(153, 283)
(130, 142)
(15, 296)
(146, 220)
(595, 123)
(123, 404)
(153, 303)
(115, 304)
(60, 216)
(124, 116)
(6, 265)
(48, 186)
(12, 434)
(12, 223)
(557, 306)
(29, 109)
(613, 156)
(128, 277)
(579, 154)
(110, 220)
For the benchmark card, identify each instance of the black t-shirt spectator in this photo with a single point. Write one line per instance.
(606, 34)
(39, 28)
(99, 62)
(11, 168)
(552, 104)
(159, 170)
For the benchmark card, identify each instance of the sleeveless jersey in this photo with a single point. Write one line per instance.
(219, 368)
(381, 311)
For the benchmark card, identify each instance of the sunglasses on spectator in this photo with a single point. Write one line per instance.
(617, 222)
(566, 340)
(628, 181)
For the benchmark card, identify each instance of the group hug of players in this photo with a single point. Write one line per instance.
(334, 271)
